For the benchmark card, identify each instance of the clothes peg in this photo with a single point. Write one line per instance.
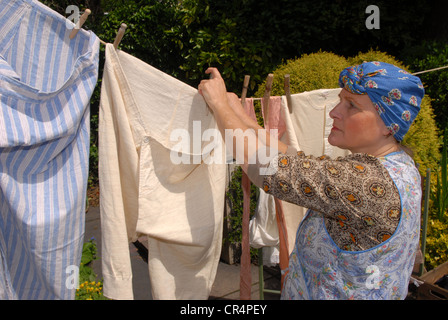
(244, 92)
(80, 23)
(288, 91)
(266, 97)
(120, 35)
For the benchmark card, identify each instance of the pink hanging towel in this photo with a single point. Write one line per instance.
(274, 115)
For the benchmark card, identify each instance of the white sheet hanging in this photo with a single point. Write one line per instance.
(178, 206)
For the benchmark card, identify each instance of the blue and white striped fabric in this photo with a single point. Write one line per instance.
(46, 81)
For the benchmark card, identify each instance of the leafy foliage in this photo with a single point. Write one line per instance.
(436, 244)
(434, 55)
(441, 192)
(146, 35)
(89, 251)
(89, 288)
(309, 72)
(240, 37)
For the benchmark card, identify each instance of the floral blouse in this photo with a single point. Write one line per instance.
(359, 238)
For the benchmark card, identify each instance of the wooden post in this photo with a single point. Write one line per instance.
(266, 97)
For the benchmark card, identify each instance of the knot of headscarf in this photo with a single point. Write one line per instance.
(395, 93)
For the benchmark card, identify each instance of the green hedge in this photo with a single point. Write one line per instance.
(432, 55)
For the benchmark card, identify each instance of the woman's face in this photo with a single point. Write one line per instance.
(356, 124)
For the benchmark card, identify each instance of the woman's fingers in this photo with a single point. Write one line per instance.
(215, 74)
(214, 86)
(214, 89)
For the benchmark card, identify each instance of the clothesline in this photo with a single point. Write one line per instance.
(430, 70)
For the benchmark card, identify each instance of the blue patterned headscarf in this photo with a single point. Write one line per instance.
(395, 93)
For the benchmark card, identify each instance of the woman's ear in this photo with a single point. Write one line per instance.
(384, 129)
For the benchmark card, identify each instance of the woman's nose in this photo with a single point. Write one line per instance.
(335, 112)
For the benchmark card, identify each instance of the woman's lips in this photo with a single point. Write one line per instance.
(335, 129)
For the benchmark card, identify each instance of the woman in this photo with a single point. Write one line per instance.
(360, 236)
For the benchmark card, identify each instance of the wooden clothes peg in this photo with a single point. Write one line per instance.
(120, 35)
(244, 92)
(288, 91)
(266, 97)
(80, 23)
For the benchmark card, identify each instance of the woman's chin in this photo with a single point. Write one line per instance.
(334, 141)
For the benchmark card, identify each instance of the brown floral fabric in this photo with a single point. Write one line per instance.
(355, 195)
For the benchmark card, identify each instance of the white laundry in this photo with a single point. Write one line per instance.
(179, 207)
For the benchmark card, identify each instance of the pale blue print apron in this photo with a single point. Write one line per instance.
(319, 269)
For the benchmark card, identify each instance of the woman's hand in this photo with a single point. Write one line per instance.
(230, 115)
(214, 90)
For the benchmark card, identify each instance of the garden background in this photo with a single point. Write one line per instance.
(312, 40)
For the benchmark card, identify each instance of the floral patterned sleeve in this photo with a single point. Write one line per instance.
(356, 195)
